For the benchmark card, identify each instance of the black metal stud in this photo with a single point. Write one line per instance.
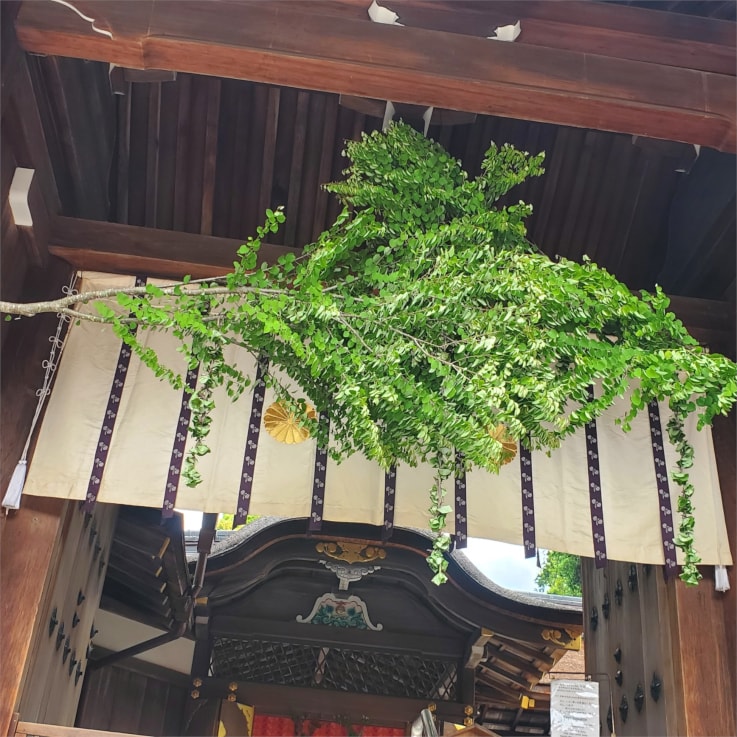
(80, 597)
(96, 552)
(93, 532)
(60, 636)
(78, 674)
(75, 620)
(53, 622)
(618, 592)
(609, 722)
(67, 649)
(594, 618)
(618, 677)
(93, 631)
(639, 697)
(624, 708)
(632, 578)
(605, 606)
(100, 565)
(72, 661)
(655, 686)
(618, 654)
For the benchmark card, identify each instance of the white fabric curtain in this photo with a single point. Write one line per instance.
(140, 451)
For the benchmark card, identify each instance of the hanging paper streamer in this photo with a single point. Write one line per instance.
(90, 20)
(379, 14)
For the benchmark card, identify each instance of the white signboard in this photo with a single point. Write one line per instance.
(574, 708)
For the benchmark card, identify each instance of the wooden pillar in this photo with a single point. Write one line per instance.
(705, 620)
(28, 542)
(29, 537)
(685, 635)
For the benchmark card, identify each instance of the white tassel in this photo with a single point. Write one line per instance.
(721, 581)
(11, 500)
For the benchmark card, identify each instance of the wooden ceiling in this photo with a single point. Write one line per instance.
(205, 155)
(208, 155)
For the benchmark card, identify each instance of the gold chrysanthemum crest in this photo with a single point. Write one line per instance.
(509, 446)
(284, 426)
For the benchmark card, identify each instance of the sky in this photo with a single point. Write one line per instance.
(503, 563)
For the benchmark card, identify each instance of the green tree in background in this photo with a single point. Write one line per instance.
(225, 521)
(560, 574)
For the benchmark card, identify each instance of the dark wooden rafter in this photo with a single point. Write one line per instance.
(353, 56)
(499, 694)
(128, 249)
(522, 649)
(499, 673)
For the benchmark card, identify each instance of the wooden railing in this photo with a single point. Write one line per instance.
(32, 729)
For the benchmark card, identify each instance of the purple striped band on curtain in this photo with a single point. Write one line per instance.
(597, 511)
(390, 490)
(249, 456)
(318, 483)
(461, 516)
(528, 506)
(177, 452)
(664, 501)
(108, 423)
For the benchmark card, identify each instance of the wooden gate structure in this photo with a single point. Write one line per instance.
(159, 131)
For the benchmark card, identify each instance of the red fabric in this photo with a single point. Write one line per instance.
(268, 726)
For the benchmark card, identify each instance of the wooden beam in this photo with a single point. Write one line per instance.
(711, 322)
(33, 729)
(413, 65)
(247, 628)
(497, 673)
(593, 28)
(127, 249)
(271, 699)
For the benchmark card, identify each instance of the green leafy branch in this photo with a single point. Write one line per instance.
(422, 318)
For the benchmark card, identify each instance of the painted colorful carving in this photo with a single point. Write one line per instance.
(349, 612)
